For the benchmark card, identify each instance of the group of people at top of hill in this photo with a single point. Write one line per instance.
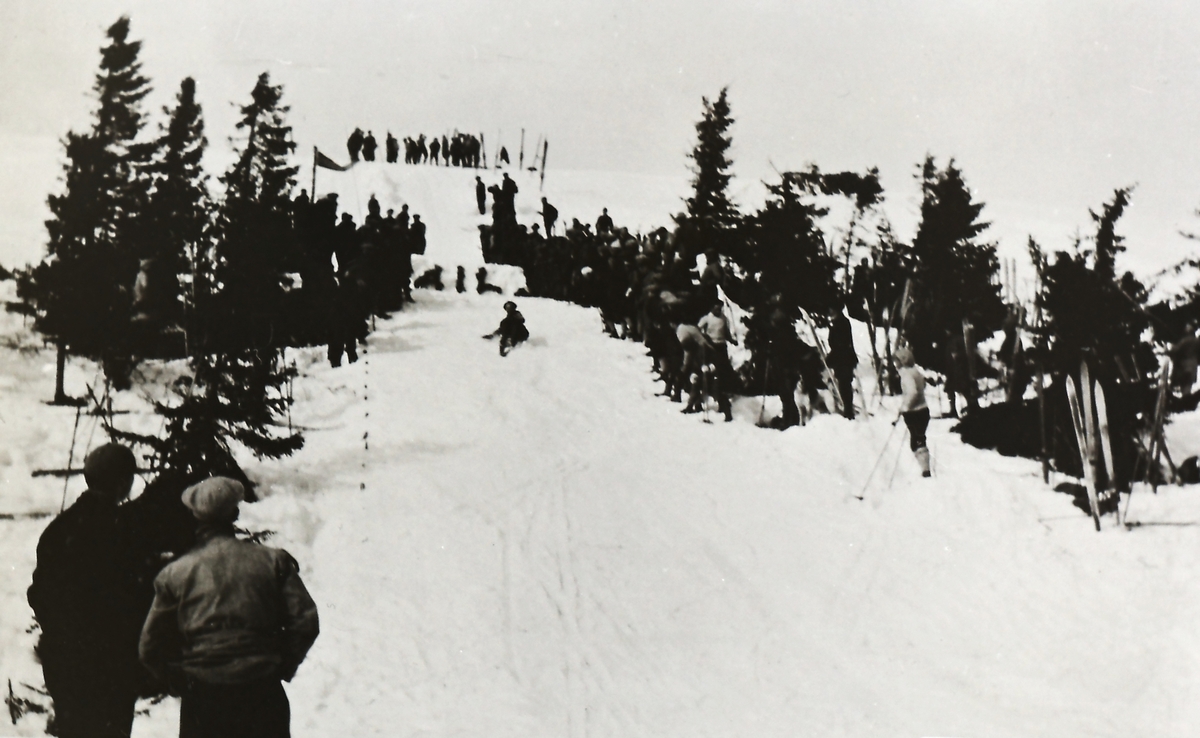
(458, 150)
(126, 612)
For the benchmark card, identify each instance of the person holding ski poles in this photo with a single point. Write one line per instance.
(913, 408)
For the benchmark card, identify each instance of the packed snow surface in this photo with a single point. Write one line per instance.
(537, 545)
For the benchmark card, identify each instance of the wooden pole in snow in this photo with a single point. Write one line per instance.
(545, 148)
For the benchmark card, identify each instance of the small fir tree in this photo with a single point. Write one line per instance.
(711, 215)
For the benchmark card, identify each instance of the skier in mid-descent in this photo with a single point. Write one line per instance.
(512, 330)
(913, 409)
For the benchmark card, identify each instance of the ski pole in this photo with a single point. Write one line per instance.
(882, 451)
(899, 453)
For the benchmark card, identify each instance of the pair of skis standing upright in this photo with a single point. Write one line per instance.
(1089, 416)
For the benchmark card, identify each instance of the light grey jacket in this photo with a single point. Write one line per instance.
(229, 612)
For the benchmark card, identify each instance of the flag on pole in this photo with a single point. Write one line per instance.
(325, 162)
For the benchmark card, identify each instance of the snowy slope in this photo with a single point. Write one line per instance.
(538, 546)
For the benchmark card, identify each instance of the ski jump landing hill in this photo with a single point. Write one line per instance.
(538, 546)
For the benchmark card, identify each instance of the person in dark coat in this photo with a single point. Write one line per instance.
(512, 330)
(354, 144)
(416, 235)
(604, 223)
(348, 317)
(348, 247)
(435, 149)
(481, 196)
(842, 359)
(230, 619)
(86, 600)
(549, 217)
(504, 155)
(393, 148)
(368, 147)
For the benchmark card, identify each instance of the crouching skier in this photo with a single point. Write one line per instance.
(512, 329)
(230, 619)
(913, 408)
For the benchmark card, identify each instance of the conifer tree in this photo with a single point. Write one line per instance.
(784, 250)
(255, 245)
(82, 293)
(1090, 312)
(711, 215)
(177, 219)
(236, 392)
(955, 269)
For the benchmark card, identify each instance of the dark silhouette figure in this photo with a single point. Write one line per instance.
(862, 293)
(481, 196)
(445, 151)
(503, 155)
(348, 319)
(431, 279)
(354, 144)
(481, 283)
(549, 216)
(86, 598)
(604, 223)
(347, 246)
(368, 147)
(416, 235)
(842, 359)
(512, 330)
(460, 281)
(393, 148)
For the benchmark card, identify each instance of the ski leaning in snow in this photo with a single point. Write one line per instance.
(1106, 441)
(832, 381)
(1089, 481)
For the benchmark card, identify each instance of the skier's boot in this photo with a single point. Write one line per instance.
(922, 455)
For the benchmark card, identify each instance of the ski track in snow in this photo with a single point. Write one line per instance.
(537, 545)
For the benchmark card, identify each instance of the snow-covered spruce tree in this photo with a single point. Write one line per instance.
(174, 244)
(711, 217)
(82, 293)
(955, 271)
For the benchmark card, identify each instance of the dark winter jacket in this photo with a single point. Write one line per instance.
(513, 327)
(85, 591)
(229, 612)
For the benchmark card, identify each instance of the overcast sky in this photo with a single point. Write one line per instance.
(1046, 106)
